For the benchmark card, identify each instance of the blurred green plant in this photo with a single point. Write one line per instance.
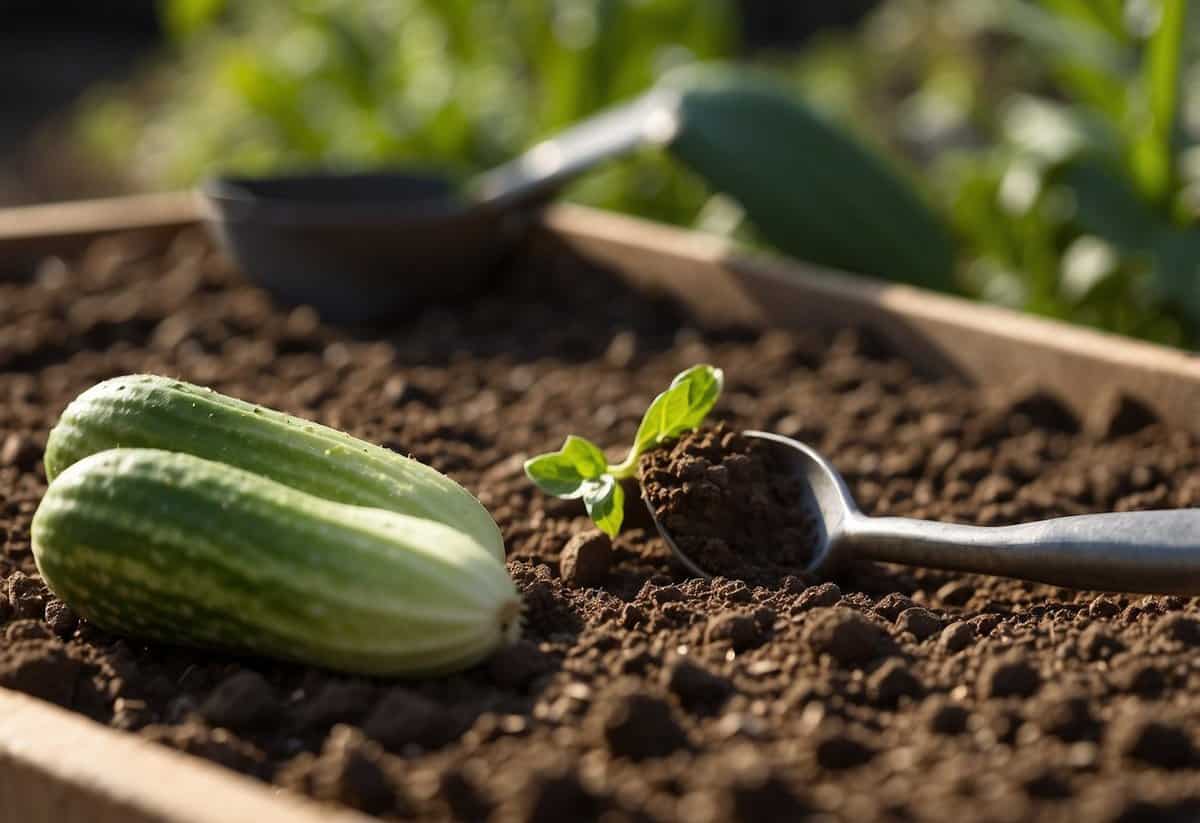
(1087, 171)
(1058, 138)
(456, 84)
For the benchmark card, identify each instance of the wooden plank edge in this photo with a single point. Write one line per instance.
(60, 228)
(179, 209)
(56, 765)
(989, 345)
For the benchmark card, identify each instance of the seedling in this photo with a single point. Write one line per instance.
(579, 470)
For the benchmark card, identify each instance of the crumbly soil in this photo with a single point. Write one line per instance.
(636, 693)
(731, 504)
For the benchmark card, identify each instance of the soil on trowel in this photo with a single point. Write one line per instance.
(732, 505)
(636, 692)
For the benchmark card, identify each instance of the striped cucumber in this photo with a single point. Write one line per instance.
(174, 548)
(148, 411)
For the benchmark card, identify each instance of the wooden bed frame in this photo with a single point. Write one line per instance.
(58, 766)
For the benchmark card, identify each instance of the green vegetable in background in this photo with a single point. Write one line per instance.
(808, 187)
(579, 470)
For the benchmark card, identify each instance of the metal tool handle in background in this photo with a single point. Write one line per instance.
(1154, 552)
(538, 174)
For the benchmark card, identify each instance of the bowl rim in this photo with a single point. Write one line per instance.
(251, 199)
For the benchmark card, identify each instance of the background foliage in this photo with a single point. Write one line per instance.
(456, 84)
(1059, 138)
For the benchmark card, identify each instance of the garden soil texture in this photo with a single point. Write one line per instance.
(636, 692)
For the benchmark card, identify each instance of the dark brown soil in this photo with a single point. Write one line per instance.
(731, 505)
(636, 693)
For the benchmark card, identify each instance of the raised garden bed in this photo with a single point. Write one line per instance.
(636, 691)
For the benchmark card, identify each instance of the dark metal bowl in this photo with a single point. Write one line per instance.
(360, 246)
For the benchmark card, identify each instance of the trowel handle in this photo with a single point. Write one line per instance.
(538, 174)
(1152, 552)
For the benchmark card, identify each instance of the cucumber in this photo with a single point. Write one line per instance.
(810, 188)
(148, 411)
(177, 549)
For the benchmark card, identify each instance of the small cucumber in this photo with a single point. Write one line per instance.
(173, 548)
(148, 411)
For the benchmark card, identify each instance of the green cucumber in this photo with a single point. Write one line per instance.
(148, 411)
(174, 548)
(810, 188)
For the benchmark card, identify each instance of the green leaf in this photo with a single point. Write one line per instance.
(1104, 14)
(564, 472)
(605, 502)
(585, 456)
(183, 18)
(1176, 270)
(683, 406)
(660, 420)
(1108, 205)
(802, 179)
(1088, 58)
(1151, 155)
(704, 384)
(555, 475)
